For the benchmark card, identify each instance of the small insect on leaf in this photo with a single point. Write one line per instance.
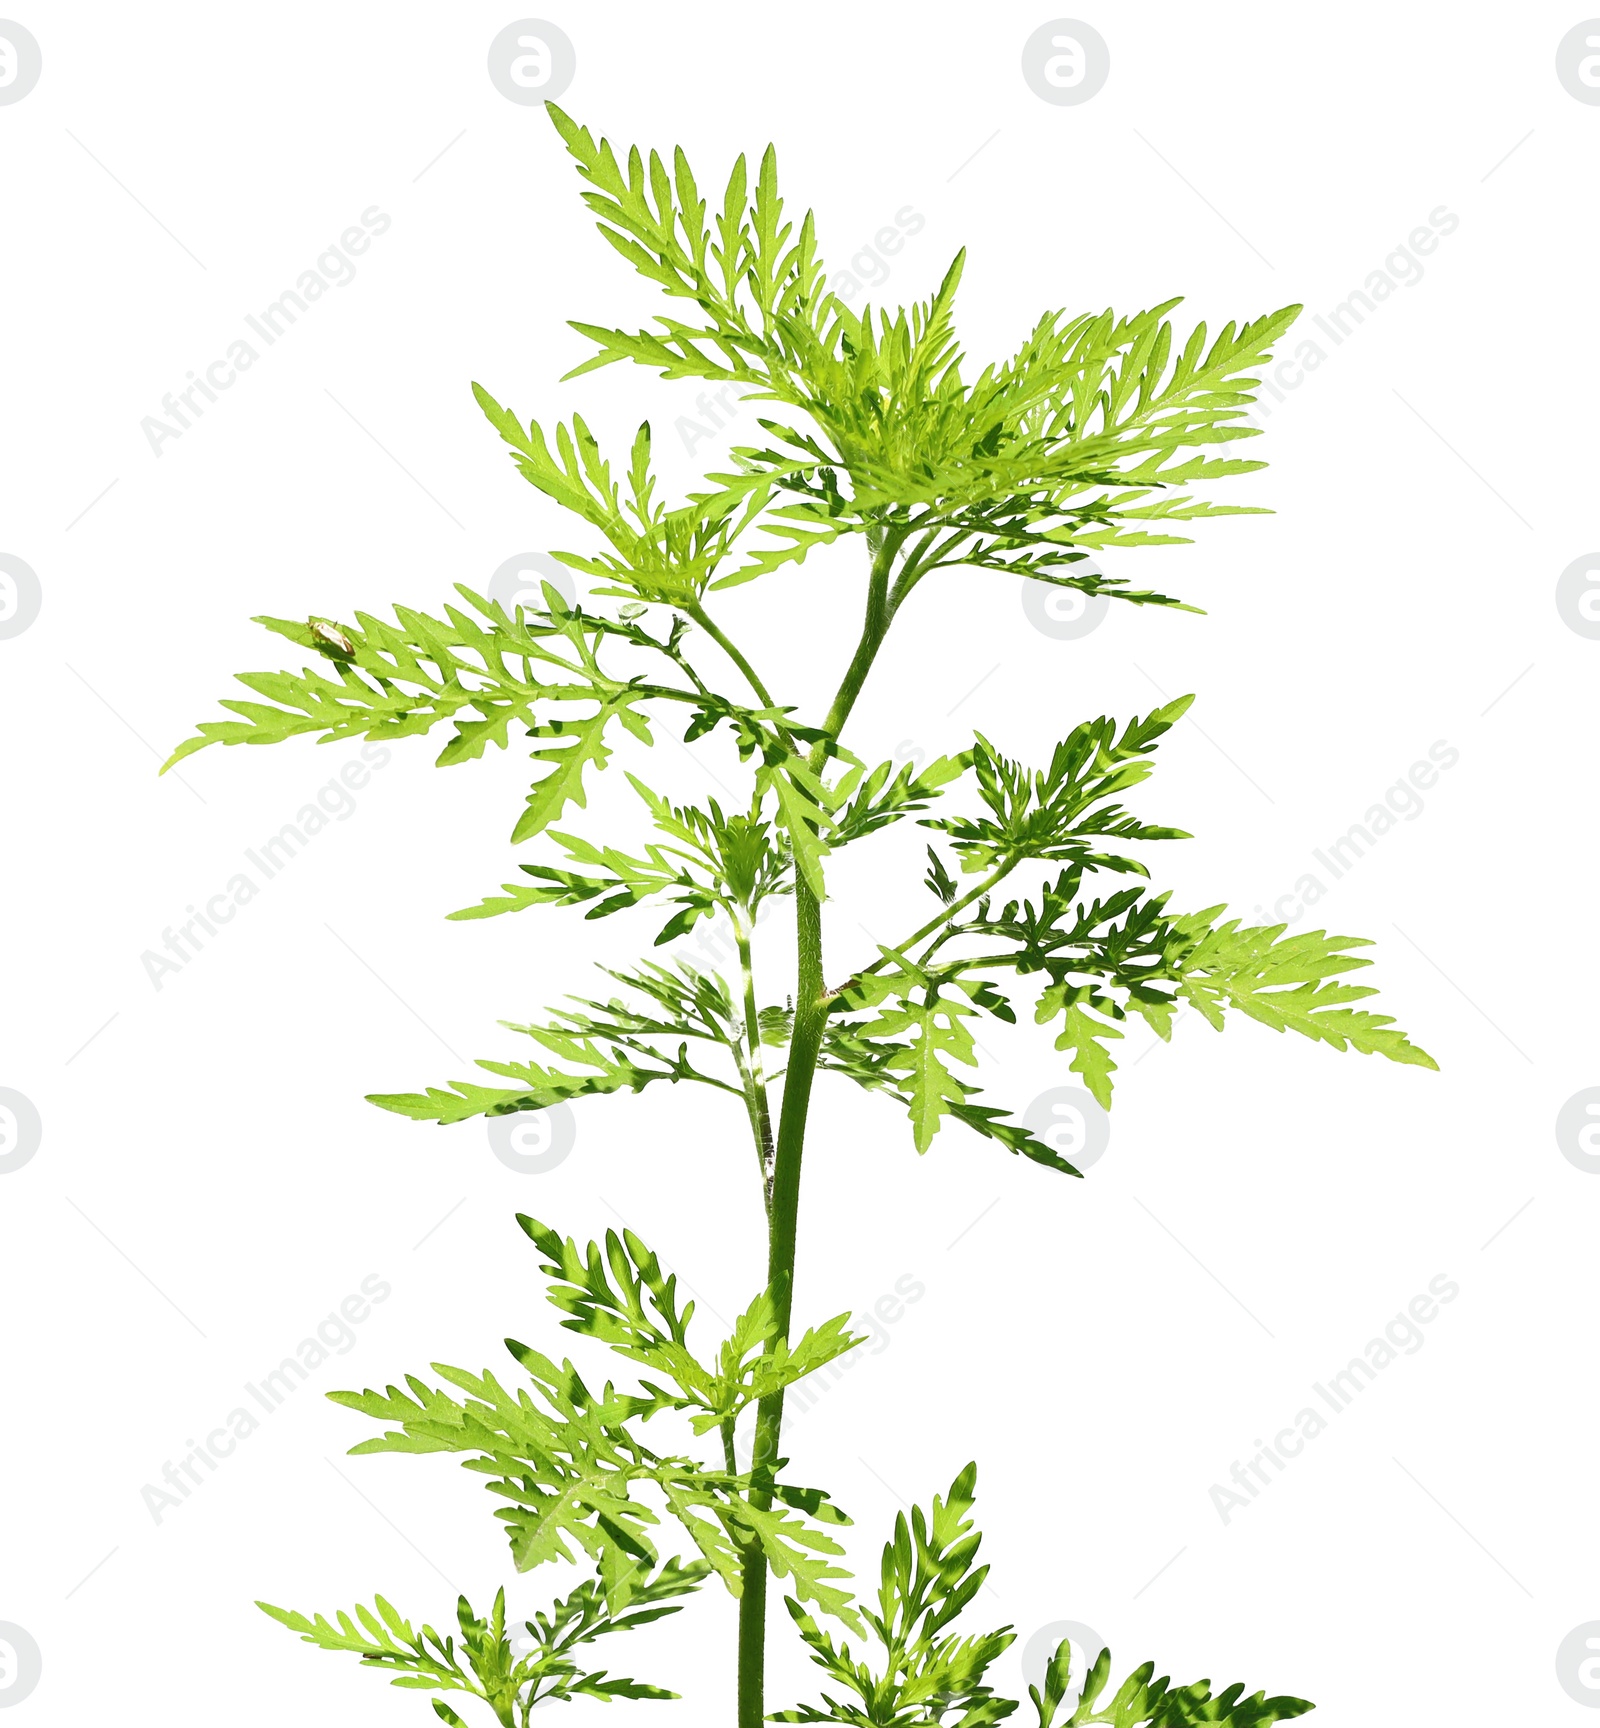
(331, 639)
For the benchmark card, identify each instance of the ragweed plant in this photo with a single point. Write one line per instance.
(1099, 433)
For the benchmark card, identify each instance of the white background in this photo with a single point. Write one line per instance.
(210, 1184)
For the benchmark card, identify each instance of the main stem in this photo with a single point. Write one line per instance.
(755, 1080)
(805, 1045)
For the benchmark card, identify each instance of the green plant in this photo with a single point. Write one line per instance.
(1088, 438)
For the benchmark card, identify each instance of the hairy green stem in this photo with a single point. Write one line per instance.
(805, 1046)
(805, 1043)
(703, 618)
(880, 613)
(753, 1066)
